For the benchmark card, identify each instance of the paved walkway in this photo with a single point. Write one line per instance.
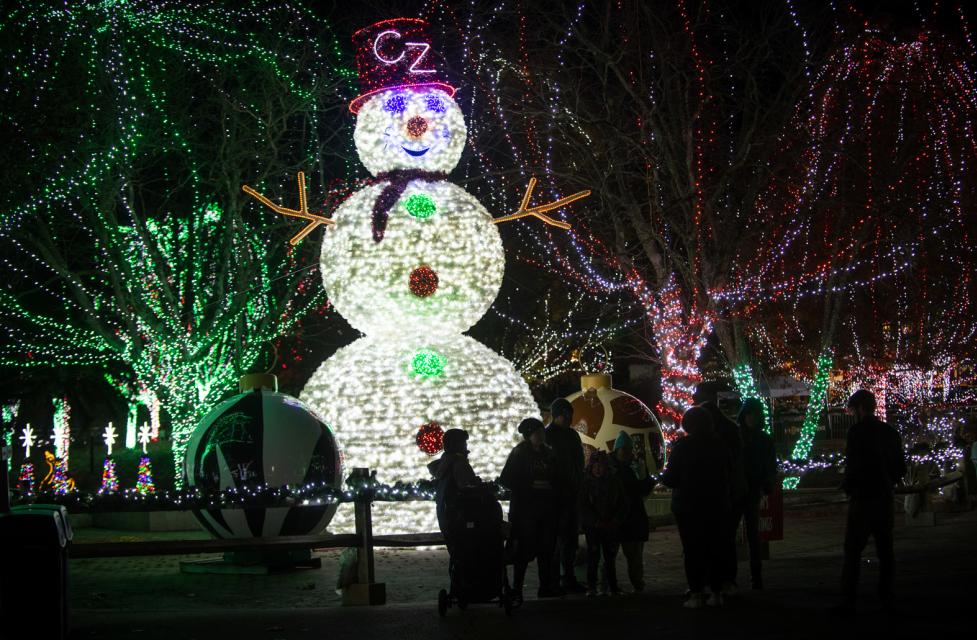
(141, 598)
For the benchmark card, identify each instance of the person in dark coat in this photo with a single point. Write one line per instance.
(637, 484)
(729, 433)
(530, 473)
(760, 467)
(603, 508)
(874, 463)
(452, 473)
(568, 448)
(698, 474)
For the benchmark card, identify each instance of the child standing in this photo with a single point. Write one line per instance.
(603, 507)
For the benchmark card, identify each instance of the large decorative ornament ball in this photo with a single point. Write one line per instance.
(601, 412)
(410, 128)
(262, 438)
(430, 438)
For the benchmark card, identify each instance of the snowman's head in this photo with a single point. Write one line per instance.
(410, 128)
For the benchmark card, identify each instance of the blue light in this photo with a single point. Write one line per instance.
(396, 103)
(435, 104)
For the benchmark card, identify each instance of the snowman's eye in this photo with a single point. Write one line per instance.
(395, 104)
(435, 104)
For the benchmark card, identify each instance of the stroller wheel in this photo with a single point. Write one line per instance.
(443, 603)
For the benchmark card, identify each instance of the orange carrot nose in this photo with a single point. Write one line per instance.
(416, 127)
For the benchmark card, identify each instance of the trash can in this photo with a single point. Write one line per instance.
(34, 570)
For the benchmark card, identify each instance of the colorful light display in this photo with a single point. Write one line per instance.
(25, 479)
(61, 483)
(185, 293)
(110, 480)
(144, 481)
(62, 429)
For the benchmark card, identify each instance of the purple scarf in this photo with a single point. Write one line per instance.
(391, 194)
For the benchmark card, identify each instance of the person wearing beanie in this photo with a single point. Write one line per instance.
(530, 473)
(452, 472)
(603, 508)
(566, 444)
(636, 484)
(760, 467)
(698, 475)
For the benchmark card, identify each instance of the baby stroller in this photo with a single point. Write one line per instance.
(476, 548)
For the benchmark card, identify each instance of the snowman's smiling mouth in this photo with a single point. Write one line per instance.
(416, 154)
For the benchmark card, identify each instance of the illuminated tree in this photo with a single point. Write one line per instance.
(671, 114)
(125, 234)
(870, 270)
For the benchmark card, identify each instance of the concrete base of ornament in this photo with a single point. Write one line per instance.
(147, 521)
(254, 563)
(374, 593)
(921, 519)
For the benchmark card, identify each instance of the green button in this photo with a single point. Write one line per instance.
(420, 206)
(427, 364)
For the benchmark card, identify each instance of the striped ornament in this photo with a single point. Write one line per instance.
(262, 438)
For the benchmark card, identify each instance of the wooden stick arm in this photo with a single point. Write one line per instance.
(302, 212)
(539, 211)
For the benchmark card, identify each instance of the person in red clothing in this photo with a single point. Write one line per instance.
(874, 463)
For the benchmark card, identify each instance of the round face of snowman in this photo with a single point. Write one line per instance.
(409, 128)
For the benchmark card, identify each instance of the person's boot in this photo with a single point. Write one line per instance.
(550, 592)
(515, 597)
(694, 601)
(571, 585)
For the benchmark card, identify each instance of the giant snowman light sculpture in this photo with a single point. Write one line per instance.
(412, 261)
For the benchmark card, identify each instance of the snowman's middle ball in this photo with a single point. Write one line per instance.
(430, 276)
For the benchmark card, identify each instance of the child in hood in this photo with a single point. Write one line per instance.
(603, 508)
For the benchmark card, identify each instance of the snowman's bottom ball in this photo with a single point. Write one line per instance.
(375, 400)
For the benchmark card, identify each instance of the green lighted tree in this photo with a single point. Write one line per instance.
(127, 241)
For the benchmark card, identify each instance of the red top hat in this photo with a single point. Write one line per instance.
(395, 53)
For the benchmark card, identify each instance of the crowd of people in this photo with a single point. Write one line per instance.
(718, 472)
